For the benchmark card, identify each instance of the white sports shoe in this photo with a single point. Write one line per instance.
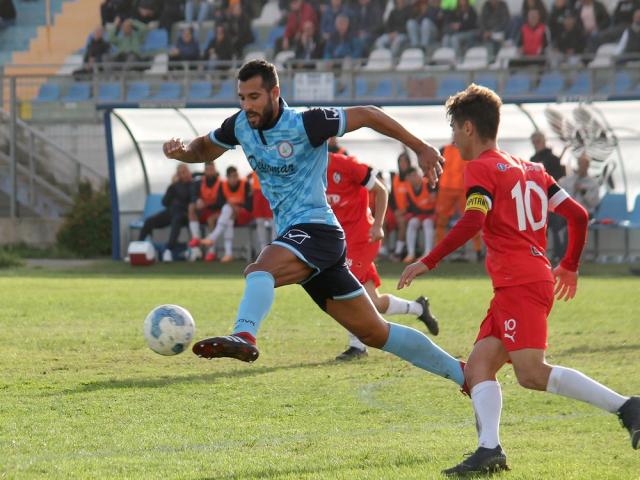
(167, 256)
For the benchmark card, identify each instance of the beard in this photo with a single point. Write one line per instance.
(265, 118)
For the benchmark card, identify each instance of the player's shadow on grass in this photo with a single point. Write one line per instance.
(159, 382)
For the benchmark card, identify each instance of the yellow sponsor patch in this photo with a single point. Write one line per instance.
(477, 201)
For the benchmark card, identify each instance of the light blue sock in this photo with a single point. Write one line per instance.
(415, 347)
(256, 302)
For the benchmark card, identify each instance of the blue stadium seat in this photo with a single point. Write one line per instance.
(362, 87)
(489, 80)
(274, 35)
(155, 41)
(168, 91)
(285, 90)
(451, 84)
(622, 83)
(581, 84)
(78, 92)
(200, 91)
(634, 216)
(518, 84)
(137, 91)
(109, 92)
(49, 92)
(227, 90)
(612, 208)
(152, 205)
(551, 84)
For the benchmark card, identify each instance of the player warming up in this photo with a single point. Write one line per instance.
(288, 151)
(348, 185)
(509, 198)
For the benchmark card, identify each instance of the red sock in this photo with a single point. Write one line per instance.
(246, 336)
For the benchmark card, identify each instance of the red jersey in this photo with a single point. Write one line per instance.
(348, 184)
(516, 196)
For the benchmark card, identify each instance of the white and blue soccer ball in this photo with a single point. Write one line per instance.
(169, 329)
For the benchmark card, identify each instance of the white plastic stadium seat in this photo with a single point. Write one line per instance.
(269, 16)
(443, 58)
(71, 64)
(506, 54)
(160, 64)
(411, 59)
(475, 58)
(379, 59)
(604, 55)
(282, 57)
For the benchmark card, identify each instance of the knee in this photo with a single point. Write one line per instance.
(375, 338)
(532, 379)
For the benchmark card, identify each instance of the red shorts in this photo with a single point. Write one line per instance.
(243, 216)
(518, 316)
(390, 220)
(360, 257)
(261, 208)
(205, 213)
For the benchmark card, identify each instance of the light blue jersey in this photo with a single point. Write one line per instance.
(290, 160)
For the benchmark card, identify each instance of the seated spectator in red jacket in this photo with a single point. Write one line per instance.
(300, 12)
(534, 36)
(219, 50)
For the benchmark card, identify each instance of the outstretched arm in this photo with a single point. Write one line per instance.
(200, 150)
(429, 157)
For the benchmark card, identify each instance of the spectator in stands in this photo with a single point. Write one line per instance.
(7, 13)
(238, 27)
(97, 48)
(425, 23)
(460, 27)
(299, 12)
(237, 202)
(205, 7)
(398, 202)
(552, 165)
(621, 20)
(110, 10)
(175, 215)
(309, 46)
(421, 203)
(494, 24)
(172, 11)
(559, 10)
(534, 39)
(186, 48)
(343, 44)
(629, 44)
(127, 40)
(583, 187)
(395, 36)
(147, 10)
(595, 19)
(451, 199)
(570, 41)
(204, 207)
(367, 23)
(219, 49)
(328, 19)
(538, 5)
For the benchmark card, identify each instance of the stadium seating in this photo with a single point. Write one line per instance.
(383, 89)
(604, 56)
(137, 91)
(109, 92)
(443, 58)
(282, 57)
(475, 58)
(227, 90)
(621, 83)
(450, 84)
(168, 91)
(551, 84)
(156, 40)
(610, 220)
(411, 59)
(152, 205)
(517, 84)
(380, 59)
(489, 80)
(78, 92)
(49, 92)
(581, 84)
(200, 91)
(504, 56)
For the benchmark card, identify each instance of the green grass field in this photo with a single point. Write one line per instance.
(81, 396)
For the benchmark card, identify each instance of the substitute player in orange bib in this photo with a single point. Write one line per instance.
(348, 185)
(509, 198)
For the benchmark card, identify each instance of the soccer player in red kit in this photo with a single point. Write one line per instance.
(348, 185)
(509, 198)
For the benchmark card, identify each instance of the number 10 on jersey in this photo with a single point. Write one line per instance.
(523, 205)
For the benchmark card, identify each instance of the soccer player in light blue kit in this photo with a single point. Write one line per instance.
(288, 151)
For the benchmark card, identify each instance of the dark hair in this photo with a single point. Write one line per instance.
(263, 69)
(479, 105)
(231, 169)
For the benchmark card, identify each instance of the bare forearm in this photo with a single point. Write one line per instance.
(381, 201)
(195, 152)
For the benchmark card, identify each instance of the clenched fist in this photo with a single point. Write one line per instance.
(174, 148)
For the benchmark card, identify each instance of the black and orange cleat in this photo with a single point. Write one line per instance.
(629, 415)
(429, 320)
(232, 346)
